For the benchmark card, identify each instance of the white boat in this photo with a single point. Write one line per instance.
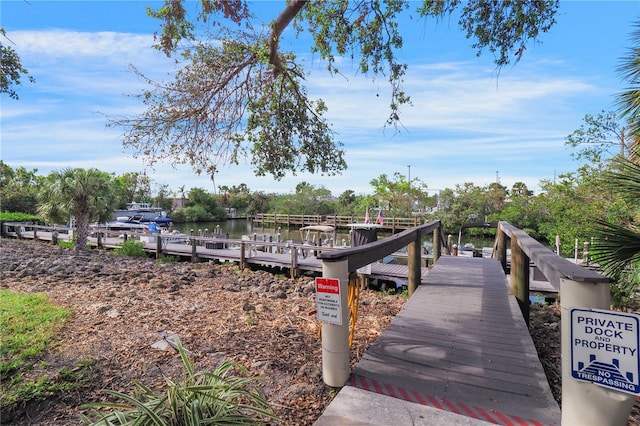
(143, 212)
(172, 237)
(125, 224)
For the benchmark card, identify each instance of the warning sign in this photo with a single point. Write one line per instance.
(328, 302)
(604, 349)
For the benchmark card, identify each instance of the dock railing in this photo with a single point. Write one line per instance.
(583, 403)
(391, 223)
(339, 264)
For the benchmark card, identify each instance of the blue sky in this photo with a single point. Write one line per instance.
(467, 124)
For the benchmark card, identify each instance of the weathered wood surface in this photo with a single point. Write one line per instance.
(461, 339)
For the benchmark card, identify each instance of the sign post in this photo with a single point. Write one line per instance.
(333, 312)
(596, 347)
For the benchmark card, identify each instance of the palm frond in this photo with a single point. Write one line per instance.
(616, 247)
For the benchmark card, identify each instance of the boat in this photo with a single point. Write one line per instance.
(142, 212)
(314, 236)
(126, 224)
(168, 237)
(469, 249)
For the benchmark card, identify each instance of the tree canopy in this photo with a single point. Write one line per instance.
(11, 69)
(237, 94)
(82, 194)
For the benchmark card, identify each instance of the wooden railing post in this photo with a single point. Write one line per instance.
(242, 261)
(194, 251)
(437, 245)
(500, 250)
(520, 277)
(158, 246)
(294, 261)
(413, 264)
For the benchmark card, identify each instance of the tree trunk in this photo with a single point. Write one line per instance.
(82, 230)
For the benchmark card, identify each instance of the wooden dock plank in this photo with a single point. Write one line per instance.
(461, 337)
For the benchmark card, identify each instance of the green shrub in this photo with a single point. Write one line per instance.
(624, 291)
(131, 248)
(201, 398)
(18, 217)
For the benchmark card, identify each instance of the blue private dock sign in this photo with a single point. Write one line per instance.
(604, 349)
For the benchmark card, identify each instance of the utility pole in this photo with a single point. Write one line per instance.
(409, 175)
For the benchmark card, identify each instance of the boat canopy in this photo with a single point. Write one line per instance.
(318, 228)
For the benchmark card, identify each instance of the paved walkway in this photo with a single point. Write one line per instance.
(459, 352)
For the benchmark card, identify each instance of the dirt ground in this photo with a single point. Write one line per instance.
(260, 319)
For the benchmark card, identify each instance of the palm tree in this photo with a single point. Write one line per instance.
(629, 100)
(83, 194)
(617, 245)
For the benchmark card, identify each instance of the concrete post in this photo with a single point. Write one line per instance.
(587, 404)
(335, 338)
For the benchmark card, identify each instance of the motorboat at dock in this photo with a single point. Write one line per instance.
(142, 212)
(126, 224)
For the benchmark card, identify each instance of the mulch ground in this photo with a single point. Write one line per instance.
(257, 318)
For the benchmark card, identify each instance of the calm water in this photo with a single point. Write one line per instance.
(237, 228)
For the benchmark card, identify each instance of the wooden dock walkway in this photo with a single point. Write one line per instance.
(256, 258)
(460, 344)
(386, 271)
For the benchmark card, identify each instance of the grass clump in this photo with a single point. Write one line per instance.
(27, 326)
(131, 248)
(28, 323)
(201, 398)
(66, 244)
(166, 259)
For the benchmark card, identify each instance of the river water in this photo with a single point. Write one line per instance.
(238, 227)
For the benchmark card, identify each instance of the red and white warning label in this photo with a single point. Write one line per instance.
(328, 301)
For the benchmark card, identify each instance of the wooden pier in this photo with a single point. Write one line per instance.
(246, 253)
(460, 344)
(390, 224)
